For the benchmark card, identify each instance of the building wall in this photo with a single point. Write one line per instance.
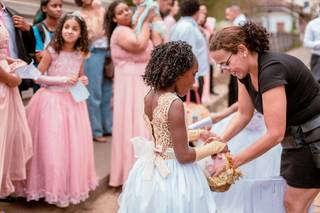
(274, 21)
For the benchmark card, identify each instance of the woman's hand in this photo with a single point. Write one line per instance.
(214, 137)
(16, 63)
(84, 80)
(14, 60)
(235, 161)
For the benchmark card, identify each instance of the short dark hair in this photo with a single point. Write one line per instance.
(78, 2)
(168, 62)
(189, 7)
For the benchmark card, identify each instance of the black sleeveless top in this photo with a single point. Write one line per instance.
(302, 90)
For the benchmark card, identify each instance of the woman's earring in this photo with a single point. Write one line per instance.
(245, 55)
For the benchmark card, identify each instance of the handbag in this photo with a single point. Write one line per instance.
(195, 111)
(108, 68)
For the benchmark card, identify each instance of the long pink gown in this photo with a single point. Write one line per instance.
(128, 107)
(62, 169)
(15, 137)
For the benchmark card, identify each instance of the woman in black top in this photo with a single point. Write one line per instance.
(282, 88)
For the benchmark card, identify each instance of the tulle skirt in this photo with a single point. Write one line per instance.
(184, 190)
(62, 168)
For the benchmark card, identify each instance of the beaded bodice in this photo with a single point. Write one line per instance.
(159, 127)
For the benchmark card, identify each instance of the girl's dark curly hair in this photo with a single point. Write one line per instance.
(109, 24)
(168, 62)
(82, 44)
(253, 36)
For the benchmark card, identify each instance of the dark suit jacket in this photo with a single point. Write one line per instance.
(26, 47)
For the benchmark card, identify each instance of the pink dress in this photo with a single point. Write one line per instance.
(128, 106)
(62, 169)
(15, 137)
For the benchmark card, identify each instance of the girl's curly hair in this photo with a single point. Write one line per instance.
(82, 44)
(168, 62)
(253, 36)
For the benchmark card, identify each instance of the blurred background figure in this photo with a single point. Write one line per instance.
(21, 38)
(130, 53)
(170, 18)
(61, 170)
(234, 15)
(207, 25)
(187, 29)
(44, 25)
(100, 88)
(15, 137)
(312, 40)
(164, 7)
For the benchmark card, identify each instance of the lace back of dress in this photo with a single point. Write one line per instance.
(160, 120)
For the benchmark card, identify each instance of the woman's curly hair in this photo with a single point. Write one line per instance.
(253, 36)
(82, 43)
(168, 62)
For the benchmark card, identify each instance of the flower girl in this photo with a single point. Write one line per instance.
(62, 168)
(165, 178)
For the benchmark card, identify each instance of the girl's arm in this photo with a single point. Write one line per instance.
(242, 116)
(11, 80)
(178, 132)
(45, 61)
(53, 80)
(274, 112)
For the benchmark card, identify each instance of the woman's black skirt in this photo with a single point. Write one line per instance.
(298, 168)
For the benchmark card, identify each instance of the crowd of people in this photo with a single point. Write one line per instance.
(138, 68)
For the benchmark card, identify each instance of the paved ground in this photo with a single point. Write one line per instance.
(104, 199)
(106, 202)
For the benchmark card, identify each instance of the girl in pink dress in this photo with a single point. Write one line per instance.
(62, 168)
(130, 53)
(15, 137)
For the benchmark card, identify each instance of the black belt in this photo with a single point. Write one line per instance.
(301, 135)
